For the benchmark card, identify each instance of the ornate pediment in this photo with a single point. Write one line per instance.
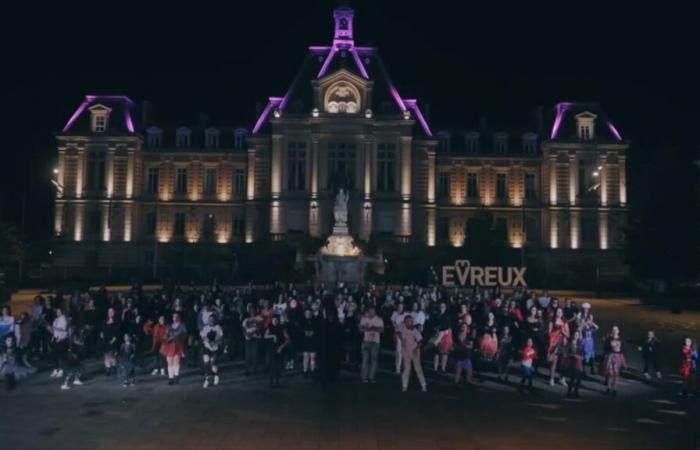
(342, 92)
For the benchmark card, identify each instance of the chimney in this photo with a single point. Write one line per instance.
(147, 114)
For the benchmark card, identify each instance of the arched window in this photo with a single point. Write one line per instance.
(342, 97)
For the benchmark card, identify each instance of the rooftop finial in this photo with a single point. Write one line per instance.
(343, 23)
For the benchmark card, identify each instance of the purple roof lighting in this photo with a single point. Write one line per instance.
(273, 102)
(327, 62)
(413, 105)
(76, 114)
(90, 99)
(614, 131)
(358, 61)
(561, 110)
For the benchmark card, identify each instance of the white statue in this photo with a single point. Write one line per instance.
(340, 210)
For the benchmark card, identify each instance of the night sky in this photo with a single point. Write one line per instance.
(466, 62)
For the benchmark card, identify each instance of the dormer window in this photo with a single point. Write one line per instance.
(212, 137)
(155, 137)
(471, 141)
(182, 137)
(99, 118)
(500, 142)
(239, 138)
(585, 125)
(444, 141)
(530, 143)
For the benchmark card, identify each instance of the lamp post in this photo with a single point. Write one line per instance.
(59, 192)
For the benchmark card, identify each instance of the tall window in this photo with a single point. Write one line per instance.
(211, 137)
(182, 137)
(155, 137)
(179, 224)
(341, 165)
(181, 181)
(386, 167)
(443, 184)
(210, 182)
(472, 185)
(100, 123)
(96, 171)
(500, 141)
(150, 224)
(530, 189)
(501, 186)
(238, 226)
(472, 142)
(239, 139)
(239, 181)
(296, 166)
(443, 229)
(152, 180)
(94, 221)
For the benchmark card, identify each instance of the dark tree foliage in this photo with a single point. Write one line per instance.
(662, 234)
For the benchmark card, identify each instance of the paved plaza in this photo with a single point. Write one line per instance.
(243, 413)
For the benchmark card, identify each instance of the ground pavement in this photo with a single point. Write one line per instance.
(243, 413)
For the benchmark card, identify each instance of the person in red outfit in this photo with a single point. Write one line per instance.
(689, 367)
(528, 356)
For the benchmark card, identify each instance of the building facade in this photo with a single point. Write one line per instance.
(130, 192)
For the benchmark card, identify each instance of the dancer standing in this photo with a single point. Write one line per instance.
(174, 348)
(212, 340)
(528, 356)
(650, 350)
(574, 364)
(614, 361)
(689, 367)
(411, 340)
(558, 336)
(463, 352)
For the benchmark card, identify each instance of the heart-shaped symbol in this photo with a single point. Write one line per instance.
(462, 267)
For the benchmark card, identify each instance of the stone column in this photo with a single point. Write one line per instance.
(130, 175)
(368, 154)
(574, 229)
(60, 176)
(552, 178)
(78, 219)
(603, 178)
(276, 167)
(106, 222)
(128, 220)
(573, 178)
(553, 229)
(622, 168)
(314, 166)
(430, 226)
(109, 172)
(79, 179)
(406, 142)
(250, 189)
(603, 229)
(250, 219)
(431, 175)
(58, 218)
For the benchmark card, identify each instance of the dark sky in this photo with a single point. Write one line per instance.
(466, 59)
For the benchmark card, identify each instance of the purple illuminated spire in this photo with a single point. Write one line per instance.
(561, 110)
(614, 131)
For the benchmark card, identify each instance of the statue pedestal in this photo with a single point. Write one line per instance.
(340, 260)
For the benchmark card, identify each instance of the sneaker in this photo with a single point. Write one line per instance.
(206, 383)
(404, 389)
(126, 384)
(77, 382)
(658, 375)
(647, 376)
(54, 374)
(425, 388)
(162, 372)
(563, 382)
(365, 381)
(171, 381)
(551, 381)
(65, 387)
(155, 372)
(59, 374)
(216, 380)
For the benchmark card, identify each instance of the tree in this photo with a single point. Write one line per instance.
(662, 235)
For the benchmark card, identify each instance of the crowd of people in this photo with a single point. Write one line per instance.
(316, 330)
